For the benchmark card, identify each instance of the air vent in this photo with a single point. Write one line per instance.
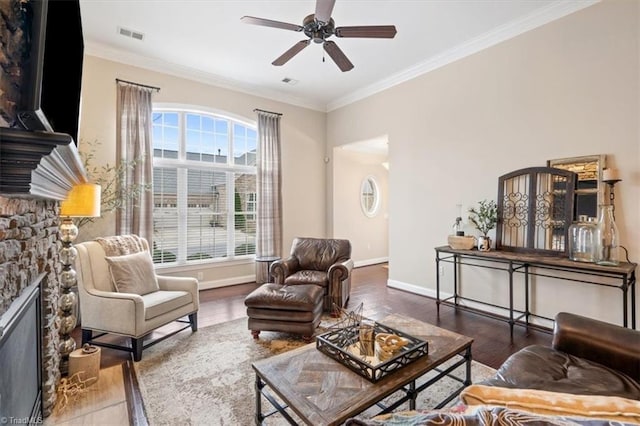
(290, 81)
(130, 33)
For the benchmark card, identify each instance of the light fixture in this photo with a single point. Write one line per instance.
(82, 201)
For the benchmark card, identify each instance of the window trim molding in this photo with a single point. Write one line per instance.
(204, 264)
(182, 163)
(199, 109)
(373, 211)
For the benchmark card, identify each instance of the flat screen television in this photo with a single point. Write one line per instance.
(51, 97)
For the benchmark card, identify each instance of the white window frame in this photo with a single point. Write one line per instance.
(183, 165)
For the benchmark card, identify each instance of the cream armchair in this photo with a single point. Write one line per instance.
(105, 310)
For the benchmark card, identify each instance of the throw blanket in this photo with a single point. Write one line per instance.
(119, 245)
(479, 416)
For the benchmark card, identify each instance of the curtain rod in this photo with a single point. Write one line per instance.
(137, 84)
(279, 114)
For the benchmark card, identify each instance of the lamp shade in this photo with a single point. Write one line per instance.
(82, 201)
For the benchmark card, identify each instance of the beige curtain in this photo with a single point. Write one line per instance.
(134, 124)
(269, 184)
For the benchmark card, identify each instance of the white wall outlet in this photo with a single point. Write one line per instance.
(200, 275)
(441, 270)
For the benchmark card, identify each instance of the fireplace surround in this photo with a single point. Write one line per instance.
(37, 170)
(29, 256)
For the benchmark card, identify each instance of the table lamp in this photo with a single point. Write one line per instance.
(82, 201)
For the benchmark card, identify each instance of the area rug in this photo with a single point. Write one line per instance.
(205, 378)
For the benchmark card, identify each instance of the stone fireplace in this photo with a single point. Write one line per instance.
(29, 247)
(37, 170)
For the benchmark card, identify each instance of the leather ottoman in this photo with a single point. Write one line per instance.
(293, 309)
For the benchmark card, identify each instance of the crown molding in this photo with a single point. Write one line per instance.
(117, 55)
(502, 33)
(505, 32)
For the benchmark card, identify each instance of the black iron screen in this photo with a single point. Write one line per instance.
(535, 210)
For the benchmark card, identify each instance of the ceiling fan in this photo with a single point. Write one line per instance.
(319, 26)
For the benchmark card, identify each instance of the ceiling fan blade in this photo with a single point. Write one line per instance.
(338, 57)
(269, 23)
(284, 58)
(372, 31)
(324, 9)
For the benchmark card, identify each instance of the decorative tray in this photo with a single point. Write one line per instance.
(344, 345)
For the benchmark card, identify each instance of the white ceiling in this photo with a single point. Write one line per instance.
(205, 40)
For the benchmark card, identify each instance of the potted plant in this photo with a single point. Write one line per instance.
(114, 193)
(484, 218)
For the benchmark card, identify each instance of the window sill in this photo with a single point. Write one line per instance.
(203, 265)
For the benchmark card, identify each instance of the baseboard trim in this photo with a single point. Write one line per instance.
(205, 285)
(412, 288)
(479, 308)
(367, 262)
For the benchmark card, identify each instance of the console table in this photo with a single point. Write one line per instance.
(622, 277)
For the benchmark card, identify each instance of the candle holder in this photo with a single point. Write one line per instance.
(611, 183)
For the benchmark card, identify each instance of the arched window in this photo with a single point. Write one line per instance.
(204, 186)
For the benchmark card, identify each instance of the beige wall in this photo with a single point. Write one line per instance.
(303, 148)
(566, 89)
(369, 235)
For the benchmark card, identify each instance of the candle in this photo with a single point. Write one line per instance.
(610, 174)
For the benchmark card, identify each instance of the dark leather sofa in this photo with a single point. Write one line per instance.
(587, 357)
(324, 262)
(590, 375)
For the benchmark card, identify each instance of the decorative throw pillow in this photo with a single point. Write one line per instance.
(133, 273)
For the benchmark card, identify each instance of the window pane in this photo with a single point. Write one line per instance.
(207, 124)
(252, 140)
(193, 122)
(208, 147)
(165, 136)
(222, 127)
(221, 148)
(244, 146)
(244, 218)
(205, 240)
(170, 119)
(203, 211)
(165, 215)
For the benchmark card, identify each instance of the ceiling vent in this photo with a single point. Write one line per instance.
(130, 33)
(290, 81)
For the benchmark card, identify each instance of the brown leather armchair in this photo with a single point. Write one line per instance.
(321, 261)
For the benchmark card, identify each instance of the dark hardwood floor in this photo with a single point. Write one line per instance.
(491, 346)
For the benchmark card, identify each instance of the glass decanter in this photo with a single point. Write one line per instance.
(607, 238)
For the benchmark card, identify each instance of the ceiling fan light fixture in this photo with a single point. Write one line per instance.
(320, 26)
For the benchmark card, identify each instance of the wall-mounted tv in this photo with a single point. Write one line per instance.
(51, 96)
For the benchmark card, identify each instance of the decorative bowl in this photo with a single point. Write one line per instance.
(465, 242)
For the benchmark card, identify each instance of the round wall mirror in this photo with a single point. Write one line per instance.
(369, 196)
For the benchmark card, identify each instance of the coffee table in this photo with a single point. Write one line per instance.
(322, 391)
